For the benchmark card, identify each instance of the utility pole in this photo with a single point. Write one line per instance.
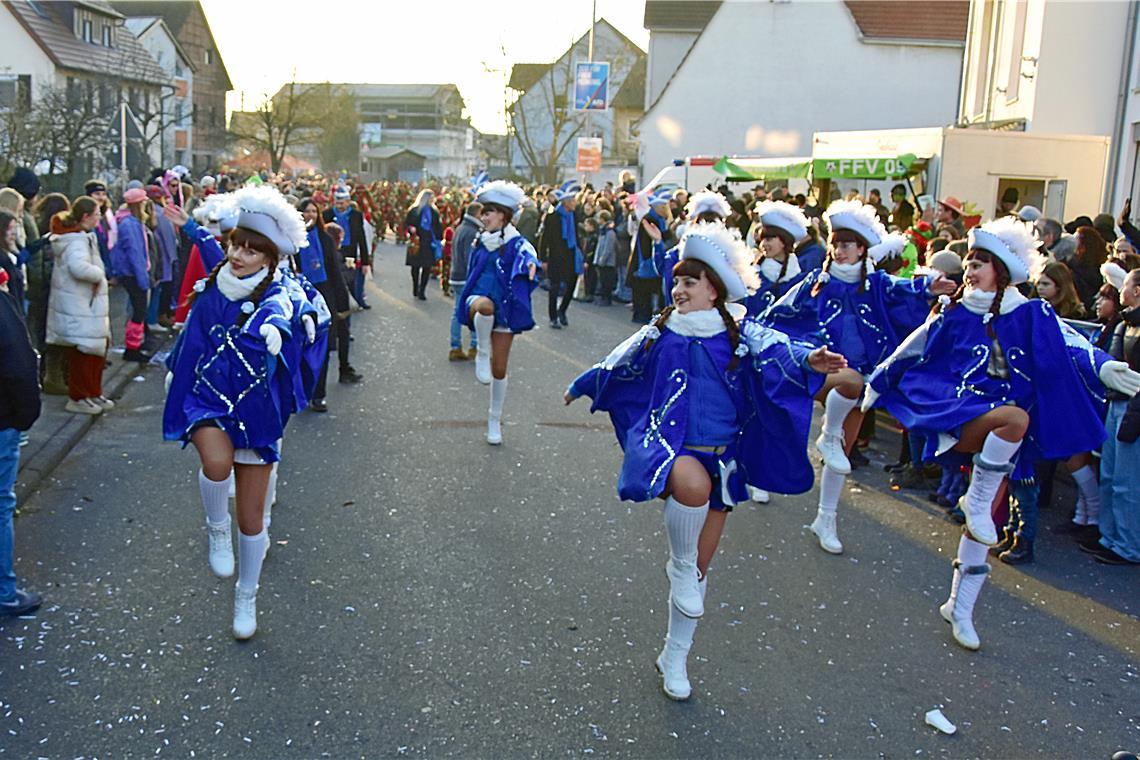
(590, 59)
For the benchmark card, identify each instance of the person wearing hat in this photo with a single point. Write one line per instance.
(777, 229)
(425, 229)
(559, 252)
(863, 314)
(651, 217)
(686, 396)
(948, 212)
(131, 265)
(228, 393)
(354, 246)
(703, 206)
(999, 377)
(1007, 206)
(495, 300)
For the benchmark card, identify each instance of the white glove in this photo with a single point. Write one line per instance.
(310, 328)
(1118, 377)
(869, 398)
(272, 339)
(168, 381)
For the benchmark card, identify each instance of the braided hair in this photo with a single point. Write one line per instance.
(843, 236)
(240, 237)
(789, 247)
(694, 268)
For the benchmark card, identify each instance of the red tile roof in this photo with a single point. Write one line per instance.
(935, 20)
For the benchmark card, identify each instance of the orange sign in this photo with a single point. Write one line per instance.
(589, 155)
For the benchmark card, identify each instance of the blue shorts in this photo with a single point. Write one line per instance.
(727, 488)
(499, 326)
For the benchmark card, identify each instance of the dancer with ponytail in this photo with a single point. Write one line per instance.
(999, 377)
(778, 228)
(229, 394)
(699, 421)
(495, 301)
(863, 314)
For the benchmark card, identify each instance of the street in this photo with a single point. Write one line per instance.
(428, 594)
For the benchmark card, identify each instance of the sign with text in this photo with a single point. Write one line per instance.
(591, 86)
(589, 155)
(863, 168)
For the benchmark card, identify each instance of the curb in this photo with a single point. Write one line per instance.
(40, 463)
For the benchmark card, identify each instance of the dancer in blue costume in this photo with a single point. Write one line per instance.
(495, 301)
(777, 229)
(703, 206)
(998, 376)
(231, 390)
(861, 313)
(703, 407)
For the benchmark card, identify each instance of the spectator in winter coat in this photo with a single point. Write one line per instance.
(130, 264)
(1091, 254)
(461, 244)
(19, 408)
(1054, 240)
(605, 258)
(527, 222)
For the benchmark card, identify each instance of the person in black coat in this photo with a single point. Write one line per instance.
(19, 409)
(560, 252)
(423, 220)
(325, 272)
(354, 245)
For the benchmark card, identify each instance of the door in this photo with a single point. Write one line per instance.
(1055, 198)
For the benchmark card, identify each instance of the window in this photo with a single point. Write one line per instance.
(107, 35)
(88, 31)
(1016, 53)
(213, 116)
(209, 56)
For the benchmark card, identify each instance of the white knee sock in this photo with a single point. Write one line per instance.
(683, 526)
(997, 452)
(215, 498)
(498, 396)
(1087, 484)
(483, 324)
(251, 553)
(836, 407)
(270, 495)
(682, 627)
(830, 489)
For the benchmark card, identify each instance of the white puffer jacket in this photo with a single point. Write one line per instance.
(78, 307)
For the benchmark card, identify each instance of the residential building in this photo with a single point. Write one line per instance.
(544, 124)
(176, 105)
(758, 79)
(82, 57)
(187, 21)
(1058, 68)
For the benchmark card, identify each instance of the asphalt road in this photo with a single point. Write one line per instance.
(427, 594)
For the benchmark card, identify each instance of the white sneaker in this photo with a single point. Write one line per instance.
(483, 366)
(103, 401)
(494, 431)
(830, 447)
(83, 406)
(684, 588)
(759, 495)
(824, 528)
(221, 548)
(245, 612)
(674, 678)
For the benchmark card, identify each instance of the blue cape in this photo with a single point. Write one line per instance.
(511, 262)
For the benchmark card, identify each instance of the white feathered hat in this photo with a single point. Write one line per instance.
(783, 216)
(1009, 239)
(265, 211)
(213, 208)
(725, 253)
(1113, 274)
(501, 193)
(705, 201)
(892, 244)
(857, 217)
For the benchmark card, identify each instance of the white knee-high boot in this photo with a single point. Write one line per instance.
(671, 662)
(824, 525)
(970, 571)
(1088, 498)
(215, 500)
(683, 527)
(483, 326)
(251, 550)
(830, 446)
(495, 413)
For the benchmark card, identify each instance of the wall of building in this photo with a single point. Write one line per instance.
(209, 100)
(666, 50)
(159, 44)
(789, 97)
(20, 55)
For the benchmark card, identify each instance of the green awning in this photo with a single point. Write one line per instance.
(867, 168)
(743, 169)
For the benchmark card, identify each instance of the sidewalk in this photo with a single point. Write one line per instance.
(57, 430)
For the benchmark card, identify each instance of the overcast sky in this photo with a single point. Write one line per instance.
(472, 44)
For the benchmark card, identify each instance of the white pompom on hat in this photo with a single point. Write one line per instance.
(1009, 239)
(707, 201)
(1113, 274)
(265, 211)
(725, 253)
(892, 244)
(501, 193)
(857, 217)
(782, 216)
(214, 208)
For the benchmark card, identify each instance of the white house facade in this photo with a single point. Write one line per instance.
(176, 101)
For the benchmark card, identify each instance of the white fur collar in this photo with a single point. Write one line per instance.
(980, 301)
(702, 324)
(492, 240)
(849, 273)
(770, 268)
(237, 288)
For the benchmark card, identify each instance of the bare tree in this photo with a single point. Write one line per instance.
(286, 119)
(74, 122)
(545, 125)
(21, 138)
